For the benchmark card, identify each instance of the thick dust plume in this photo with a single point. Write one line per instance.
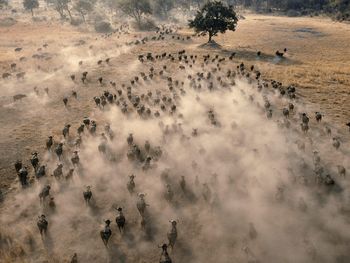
(250, 192)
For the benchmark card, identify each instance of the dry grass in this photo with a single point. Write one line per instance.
(317, 59)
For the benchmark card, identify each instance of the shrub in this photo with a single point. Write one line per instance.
(103, 27)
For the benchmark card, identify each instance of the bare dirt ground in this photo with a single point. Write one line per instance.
(317, 62)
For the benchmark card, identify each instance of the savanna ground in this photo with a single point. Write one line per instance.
(317, 62)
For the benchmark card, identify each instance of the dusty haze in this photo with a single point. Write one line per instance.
(265, 204)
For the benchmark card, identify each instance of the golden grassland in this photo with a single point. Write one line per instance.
(317, 60)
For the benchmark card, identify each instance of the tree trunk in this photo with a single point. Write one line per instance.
(70, 15)
(60, 11)
(165, 13)
(31, 10)
(210, 36)
(138, 20)
(82, 15)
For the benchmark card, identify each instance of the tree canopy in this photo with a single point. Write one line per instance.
(3, 3)
(214, 17)
(30, 5)
(84, 7)
(135, 8)
(161, 8)
(61, 6)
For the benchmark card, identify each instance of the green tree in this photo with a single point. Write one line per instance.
(61, 6)
(162, 7)
(113, 5)
(84, 7)
(341, 5)
(197, 3)
(214, 17)
(135, 8)
(3, 3)
(30, 5)
(188, 3)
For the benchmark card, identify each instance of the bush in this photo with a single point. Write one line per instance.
(98, 18)
(103, 27)
(293, 13)
(7, 21)
(39, 18)
(3, 4)
(146, 25)
(342, 16)
(136, 9)
(76, 22)
(306, 12)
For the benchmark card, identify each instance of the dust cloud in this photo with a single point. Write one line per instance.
(251, 193)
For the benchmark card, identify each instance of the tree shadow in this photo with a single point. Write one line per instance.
(263, 57)
(249, 55)
(210, 45)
